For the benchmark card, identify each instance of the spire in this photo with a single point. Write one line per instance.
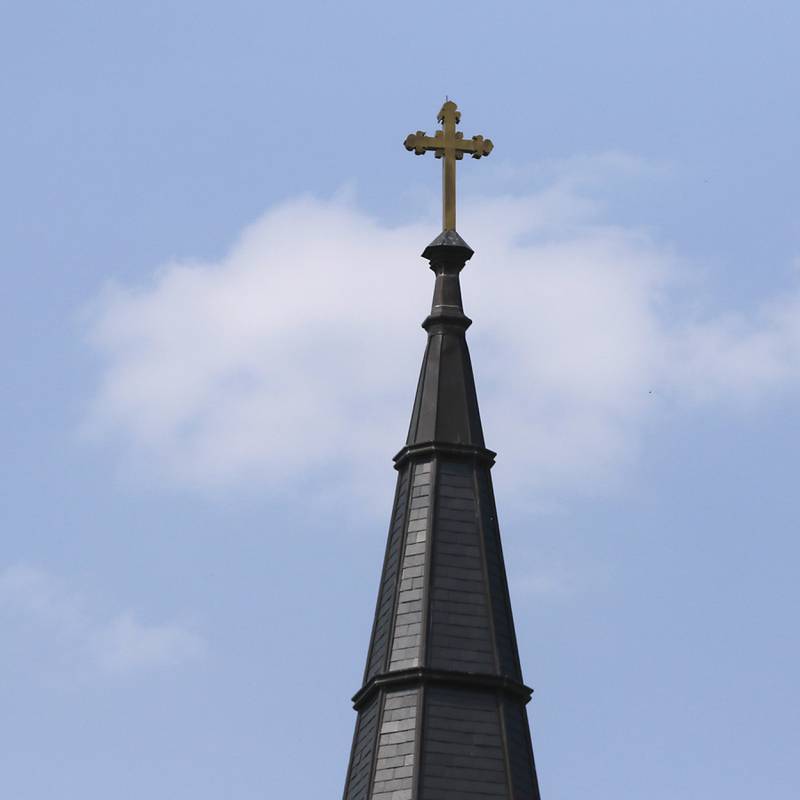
(441, 711)
(442, 707)
(446, 404)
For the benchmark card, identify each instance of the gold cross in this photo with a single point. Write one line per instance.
(449, 145)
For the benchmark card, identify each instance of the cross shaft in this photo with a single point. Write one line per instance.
(449, 145)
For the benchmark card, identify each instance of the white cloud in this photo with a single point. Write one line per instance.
(737, 358)
(297, 351)
(126, 645)
(78, 642)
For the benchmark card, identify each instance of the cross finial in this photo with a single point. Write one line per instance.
(449, 145)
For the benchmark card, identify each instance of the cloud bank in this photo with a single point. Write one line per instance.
(76, 642)
(299, 349)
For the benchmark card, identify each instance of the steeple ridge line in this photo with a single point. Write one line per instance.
(449, 449)
(417, 675)
(452, 317)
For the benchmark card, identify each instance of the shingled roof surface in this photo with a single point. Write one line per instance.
(442, 710)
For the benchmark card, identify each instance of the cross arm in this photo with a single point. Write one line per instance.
(421, 143)
(477, 146)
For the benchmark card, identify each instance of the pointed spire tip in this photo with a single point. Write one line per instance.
(448, 243)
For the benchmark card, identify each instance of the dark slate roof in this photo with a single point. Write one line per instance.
(442, 710)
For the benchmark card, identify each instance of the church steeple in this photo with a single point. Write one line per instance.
(442, 709)
(446, 405)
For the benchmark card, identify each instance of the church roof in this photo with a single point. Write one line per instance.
(442, 708)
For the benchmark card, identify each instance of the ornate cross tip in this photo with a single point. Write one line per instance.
(482, 146)
(449, 111)
(416, 142)
(449, 145)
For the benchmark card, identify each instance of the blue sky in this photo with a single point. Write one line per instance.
(200, 401)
